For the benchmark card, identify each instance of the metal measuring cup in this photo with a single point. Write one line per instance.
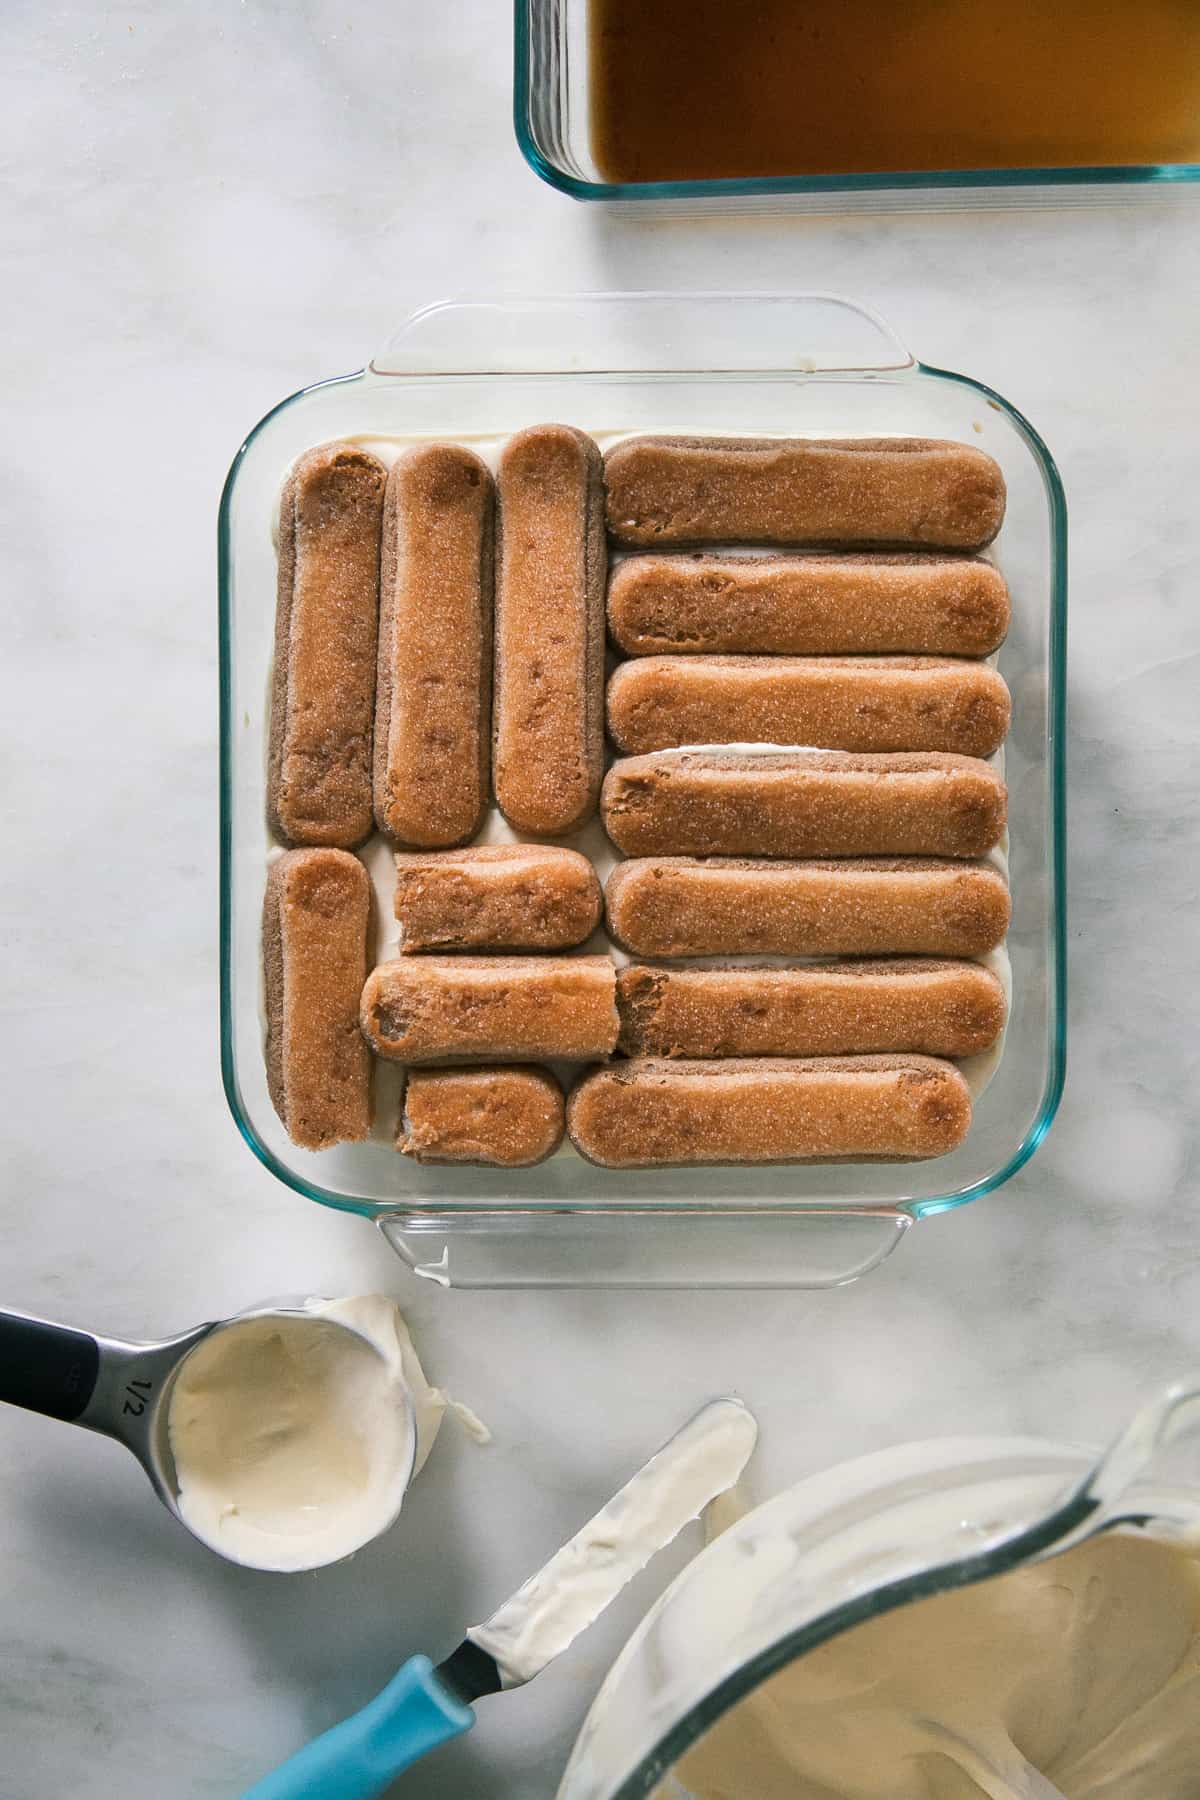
(122, 1388)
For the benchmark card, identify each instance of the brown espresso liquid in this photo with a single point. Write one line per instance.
(689, 89)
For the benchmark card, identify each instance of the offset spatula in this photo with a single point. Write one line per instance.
(422, 1707)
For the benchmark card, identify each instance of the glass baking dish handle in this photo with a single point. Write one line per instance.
(643, 333)
(685, 1247)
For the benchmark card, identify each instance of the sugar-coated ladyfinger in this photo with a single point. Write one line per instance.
(648, 1112)
(435, 648)
(869, 906)
(508, 1117)
(326, 621)
(548, 751)
(491, 1009)
(315, 918)
(802, 803)
(934, 1006)
(853, 491)
(928, 605)
(496, 897)
(833, 702)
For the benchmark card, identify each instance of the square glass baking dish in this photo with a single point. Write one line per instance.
(713, 363)
(551, 100)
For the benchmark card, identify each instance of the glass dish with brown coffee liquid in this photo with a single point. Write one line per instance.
(715, 89)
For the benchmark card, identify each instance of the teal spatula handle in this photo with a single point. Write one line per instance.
(358, 1758)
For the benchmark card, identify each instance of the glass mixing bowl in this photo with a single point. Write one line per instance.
(854, 1542)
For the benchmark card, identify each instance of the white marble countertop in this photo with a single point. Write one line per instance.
(206, 208)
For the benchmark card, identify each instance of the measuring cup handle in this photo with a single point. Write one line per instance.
(46, 1368)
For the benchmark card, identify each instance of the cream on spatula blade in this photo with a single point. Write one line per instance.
(422, 1707)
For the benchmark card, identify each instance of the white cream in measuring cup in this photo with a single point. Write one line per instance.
(295, 1433)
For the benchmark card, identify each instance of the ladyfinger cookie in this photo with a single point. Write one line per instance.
(800, 803)
(936, 1007)
(496, 897)
(506, 1117)
(647, 1112)
(549, 683)
(853, 491)
(874, 906)
(835, 702)
(326, 622)
(928, 605)
(491, 1009)
(315, 918)
(435, 648)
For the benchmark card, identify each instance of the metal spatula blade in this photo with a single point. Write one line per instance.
(549, 1611)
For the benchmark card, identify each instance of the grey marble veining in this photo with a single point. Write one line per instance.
(205, 208)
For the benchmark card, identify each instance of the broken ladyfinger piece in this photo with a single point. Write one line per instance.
(496, 897)
(449, 1009)
(846, 1008)
(507, 1117)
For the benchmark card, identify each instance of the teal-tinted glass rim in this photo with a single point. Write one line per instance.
(1056, 750)
(766, 187)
